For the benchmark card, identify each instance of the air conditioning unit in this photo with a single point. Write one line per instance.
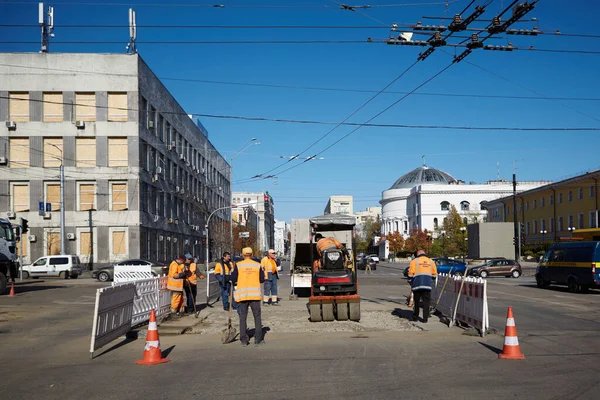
(181, 156)
(170, 220)
(10, 215)
(156, 218)
(3, 160)
(154, 178)
(176, 189)
(187, 163)
(11, 125)
(71, 236)
(158, 170)
(176, 221)
(80, 124)
(31, 238)
(161, 238)
(182, 191)
(47, 215)
(169, 147)
(150, 124)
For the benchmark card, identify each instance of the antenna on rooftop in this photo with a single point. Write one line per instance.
(131, 49)
(46, 21)
(498, 167)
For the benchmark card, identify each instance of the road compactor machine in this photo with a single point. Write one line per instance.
(334, 288)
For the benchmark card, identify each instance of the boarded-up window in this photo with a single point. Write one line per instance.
(19, 152)
(18, 107)
(23, 245)
(119, 196)
(86, 196)
(85, 243)
(117, 152)
(85, 106)
(118, 241)
(53, 107)
(53, 196)
(53, 151)
(117, 106)
(20, 198)
(85, 152)
(53, 243)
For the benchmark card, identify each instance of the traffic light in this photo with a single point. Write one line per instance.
(24, 226)
(266, 198)
(514, 241)
(204, 241)
(522, 230)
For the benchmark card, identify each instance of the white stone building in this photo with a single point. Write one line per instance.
(281, 235)
(422, 199)
(339, 205)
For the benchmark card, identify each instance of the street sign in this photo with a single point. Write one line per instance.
(244, 235)
(41, 208)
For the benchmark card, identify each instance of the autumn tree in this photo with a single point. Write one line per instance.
(453, 239)
(419, 239)
(396, 242)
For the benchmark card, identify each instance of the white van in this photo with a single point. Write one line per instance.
(64, 266)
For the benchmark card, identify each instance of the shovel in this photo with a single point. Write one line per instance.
(228, 334)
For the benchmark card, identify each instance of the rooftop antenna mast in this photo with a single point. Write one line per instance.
(131, 49)
(498, 167)
(46, 21)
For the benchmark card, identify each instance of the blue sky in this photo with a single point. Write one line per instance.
(368, 161)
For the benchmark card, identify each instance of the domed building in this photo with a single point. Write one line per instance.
(422, 198)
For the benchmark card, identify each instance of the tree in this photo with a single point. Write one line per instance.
(396, 242)
(453, 240)
(418, 240)
(239, 243)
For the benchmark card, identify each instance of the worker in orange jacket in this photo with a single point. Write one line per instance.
(177, 272)
(269, 264)
(330, 243)
(190, 285)
(421, 273)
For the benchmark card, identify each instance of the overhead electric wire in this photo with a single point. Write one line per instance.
(220, 6)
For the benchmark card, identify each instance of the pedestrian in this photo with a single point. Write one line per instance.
(190, 285)
(269, 264)
(177, 272)
(368, 265)
(421, 273)
(248, 275)
(223, 269)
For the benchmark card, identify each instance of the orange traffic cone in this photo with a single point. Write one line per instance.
(12, 290)
(152, 352)
(511, 350)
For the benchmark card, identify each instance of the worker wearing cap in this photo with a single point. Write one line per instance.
(269, 264)
(248, 275)
(190, 283)
(223, 269)
(177, 272)
(421, 273)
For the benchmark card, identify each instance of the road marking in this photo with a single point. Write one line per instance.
(538, 299)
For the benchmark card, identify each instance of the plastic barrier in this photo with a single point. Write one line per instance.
(149, 294)
(130, 273)
(214, 289)
(112, 314)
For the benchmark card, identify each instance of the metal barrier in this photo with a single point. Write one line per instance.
(214, 289)
(112, 314)
(149, 294)
(129, 273)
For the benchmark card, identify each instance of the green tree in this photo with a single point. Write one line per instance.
(396, 242)
(453, 242)
(418, 240)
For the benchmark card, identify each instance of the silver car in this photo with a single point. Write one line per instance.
(107, 274)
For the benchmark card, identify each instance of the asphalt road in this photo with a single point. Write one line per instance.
(44, 344)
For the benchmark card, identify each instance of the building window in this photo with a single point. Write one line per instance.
(592, 191)
(570, 196)
(117, 107)
(580, 223)
(464, 205)
(465, 221)
(52, 243)
(560, 200)
(560, 224)
(19, 152)
(580, 194)
(535, 226)
(144, 113)
(534, 204)
(543, 202)
(571, 222)
(53, 107)
(118, 196)
(53, 152)
(551, 227)
(119, 243)
(551, 200)
(527, 205)
(543, 224)
(87, 194)
(117, 152)
(85, 152)
(53, 195)
(85, 106)
(520, 207)
(85, 243)
(593, 219)
(22, 246)
(19, 199)
(445, 206)
(527, 228)
(435, 223)
(18, 107)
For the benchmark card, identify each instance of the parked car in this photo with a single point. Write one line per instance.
(497, 267)
(106, 274)
(64, 266)
(374, 257)
(362, 263)
(449, 266)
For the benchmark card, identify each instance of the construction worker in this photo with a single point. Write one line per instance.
(223, 269)
(421, 273)
(248, 275)
(269, 264)
(330, 243)
(177, 272)
(189, 285)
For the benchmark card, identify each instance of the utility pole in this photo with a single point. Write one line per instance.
(62, 209)
(515, 222)
(91, 239)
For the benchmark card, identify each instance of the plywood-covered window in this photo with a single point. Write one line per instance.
(118, 196)
(87, 193)
(53, 195)
(20, 197)
(18, 107)
(119, 246)
(19, 152)
(117, 152)
(85, 106)
(53, 107)
(53, 243)
(85, 152)
(85, 243)
(23, 246)
(117, 107)
(53, 152)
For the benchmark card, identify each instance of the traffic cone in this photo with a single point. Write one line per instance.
(511, 350)
(152, 352)
(12, 290)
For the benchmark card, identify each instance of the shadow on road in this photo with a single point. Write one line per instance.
(405, 314)
(166, 352)
(561, 289)
(20, 289)
(127, 340)
(252, 331)
(492, 348)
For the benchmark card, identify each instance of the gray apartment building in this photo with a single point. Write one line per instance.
(141, 176)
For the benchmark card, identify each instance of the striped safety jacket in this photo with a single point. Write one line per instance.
(421, 272)
(248, 275)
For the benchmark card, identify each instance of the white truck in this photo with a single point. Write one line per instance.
(300, 262)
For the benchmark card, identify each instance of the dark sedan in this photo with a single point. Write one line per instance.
(107, 274)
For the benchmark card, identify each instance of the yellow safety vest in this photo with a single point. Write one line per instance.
(173, 283)
(248, 283)
(269, 265)
(192, 277)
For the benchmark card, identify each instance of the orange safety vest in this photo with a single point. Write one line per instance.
(327, 243)
(192, 277)
(173, 283)
(269, 265)
(228, 268)
(248, 282)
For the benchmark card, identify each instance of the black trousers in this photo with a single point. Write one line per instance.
(191, 291)
(243, 312)
(424, 295)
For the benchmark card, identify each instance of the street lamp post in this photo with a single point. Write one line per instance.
(62, 200)
(463, 230)
(443, 233)
(571, 229)
(543, 232)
